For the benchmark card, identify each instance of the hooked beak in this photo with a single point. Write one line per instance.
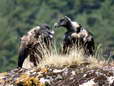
(56, 25)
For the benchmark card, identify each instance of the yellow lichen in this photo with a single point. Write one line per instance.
(3, 74)
(44, 70)
(25, 80)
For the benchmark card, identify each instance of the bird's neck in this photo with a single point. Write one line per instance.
(70, 27)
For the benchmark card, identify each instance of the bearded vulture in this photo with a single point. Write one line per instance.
(76, 35)
(34, 43)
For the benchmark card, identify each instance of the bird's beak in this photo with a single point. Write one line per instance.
(56, 25)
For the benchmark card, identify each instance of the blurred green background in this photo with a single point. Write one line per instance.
(18, 16)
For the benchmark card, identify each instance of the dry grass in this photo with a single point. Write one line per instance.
(74, 58)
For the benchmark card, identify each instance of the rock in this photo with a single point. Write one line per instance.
(63, 76)
(45, 81)
(57, 71)
(89, 83)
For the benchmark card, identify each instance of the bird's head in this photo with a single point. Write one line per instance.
(62, 22)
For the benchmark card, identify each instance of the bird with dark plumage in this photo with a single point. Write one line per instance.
(76, 35)
(33, 43)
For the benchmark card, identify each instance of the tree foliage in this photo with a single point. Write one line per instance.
(18, 16)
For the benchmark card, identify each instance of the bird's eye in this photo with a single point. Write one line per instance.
(61, 20)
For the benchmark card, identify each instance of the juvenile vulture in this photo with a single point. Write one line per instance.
(34, 43)
(76, 35)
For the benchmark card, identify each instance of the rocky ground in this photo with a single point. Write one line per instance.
(73, 75)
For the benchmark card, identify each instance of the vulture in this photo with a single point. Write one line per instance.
(76, 35)
(34, 43)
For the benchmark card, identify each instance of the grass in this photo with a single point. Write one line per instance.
(75, 57)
